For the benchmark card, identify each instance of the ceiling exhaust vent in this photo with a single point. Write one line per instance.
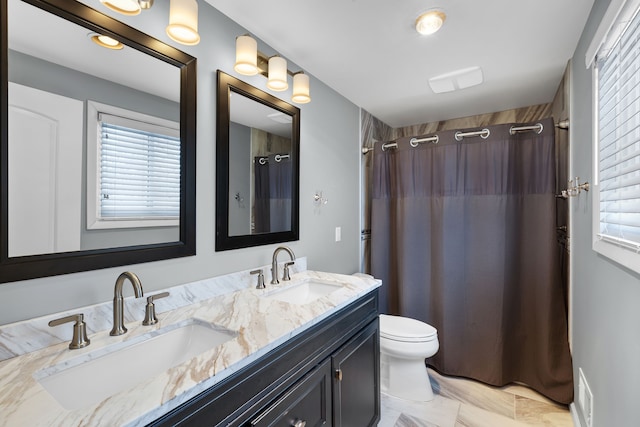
(280, 118)
(456, 80)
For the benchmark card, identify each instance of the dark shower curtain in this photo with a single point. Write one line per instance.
(272, 194)
(463, 237)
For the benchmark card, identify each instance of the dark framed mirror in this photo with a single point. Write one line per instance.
(66, 102)
(257, 166)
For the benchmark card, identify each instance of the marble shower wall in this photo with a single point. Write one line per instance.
(374, 130)
(518, 115)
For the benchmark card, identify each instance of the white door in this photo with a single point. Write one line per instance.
(45, 171)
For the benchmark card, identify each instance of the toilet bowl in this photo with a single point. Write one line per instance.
(404, 344)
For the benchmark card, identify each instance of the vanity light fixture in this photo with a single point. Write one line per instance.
(183, 22)
(430, 21)
(246, 56)
(250, 61)
(183, 17)
(277, 79)
(105, 41)
(125, 7)
(300, 88)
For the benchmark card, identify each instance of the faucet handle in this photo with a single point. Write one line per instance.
(285, 273)
(79, 339)
(260, 284)
(150, 309)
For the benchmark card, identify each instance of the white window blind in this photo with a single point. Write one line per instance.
(619, 137)
(139, 169)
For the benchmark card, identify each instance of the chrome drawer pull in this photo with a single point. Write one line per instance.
(299, 423)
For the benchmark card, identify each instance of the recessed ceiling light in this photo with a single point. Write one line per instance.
(106, 41)
(430, 22)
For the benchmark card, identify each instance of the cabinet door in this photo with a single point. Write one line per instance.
(356, 382)
(306, 404)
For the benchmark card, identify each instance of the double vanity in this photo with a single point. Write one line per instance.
(303, 352)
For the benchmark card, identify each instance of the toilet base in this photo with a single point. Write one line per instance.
(406, 379)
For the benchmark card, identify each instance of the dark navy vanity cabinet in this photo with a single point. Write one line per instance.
(326, 376)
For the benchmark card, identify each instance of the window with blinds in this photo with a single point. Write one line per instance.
(139, 169)
(133, 169)
(618, 118)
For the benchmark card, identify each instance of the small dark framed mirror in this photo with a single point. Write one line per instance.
(62, 210)
(257, 167)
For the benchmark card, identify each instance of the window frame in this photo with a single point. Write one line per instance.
(94, 219)
(615, 22)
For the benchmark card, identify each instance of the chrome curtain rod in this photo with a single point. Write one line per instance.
(484, 134)
(277, 158)
(414, 142)
(365, 150)
(538, 128)
(459, 136)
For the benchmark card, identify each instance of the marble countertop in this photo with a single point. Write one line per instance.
(261, 324)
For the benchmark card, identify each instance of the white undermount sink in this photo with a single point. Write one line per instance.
(304, 292)
(93, 377)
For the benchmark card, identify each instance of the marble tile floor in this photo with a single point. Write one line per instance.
(466, 403)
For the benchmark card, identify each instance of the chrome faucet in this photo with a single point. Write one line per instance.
(118, 301)
(274, 263)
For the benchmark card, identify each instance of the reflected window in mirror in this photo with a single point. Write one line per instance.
(62, 94)
(257, 167)
(133, 169)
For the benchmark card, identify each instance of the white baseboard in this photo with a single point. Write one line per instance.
(574, 414)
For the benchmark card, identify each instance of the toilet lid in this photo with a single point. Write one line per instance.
(405, 329)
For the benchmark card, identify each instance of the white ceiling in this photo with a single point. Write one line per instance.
(67, 44)
(369, 52)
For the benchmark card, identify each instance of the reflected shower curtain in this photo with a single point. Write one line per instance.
(272, 194)
(463, 237)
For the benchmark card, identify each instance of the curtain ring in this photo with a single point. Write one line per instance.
(262, 160)
(485, 133)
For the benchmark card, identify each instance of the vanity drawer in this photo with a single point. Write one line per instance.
(306, 404)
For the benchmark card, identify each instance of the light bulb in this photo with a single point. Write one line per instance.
(430, 22)
(277, 74)
(183, 22)
(125, 7)
(246, 56)
(300, 89)
(106, 41)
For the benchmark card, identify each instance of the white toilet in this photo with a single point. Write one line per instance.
(404, 344)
